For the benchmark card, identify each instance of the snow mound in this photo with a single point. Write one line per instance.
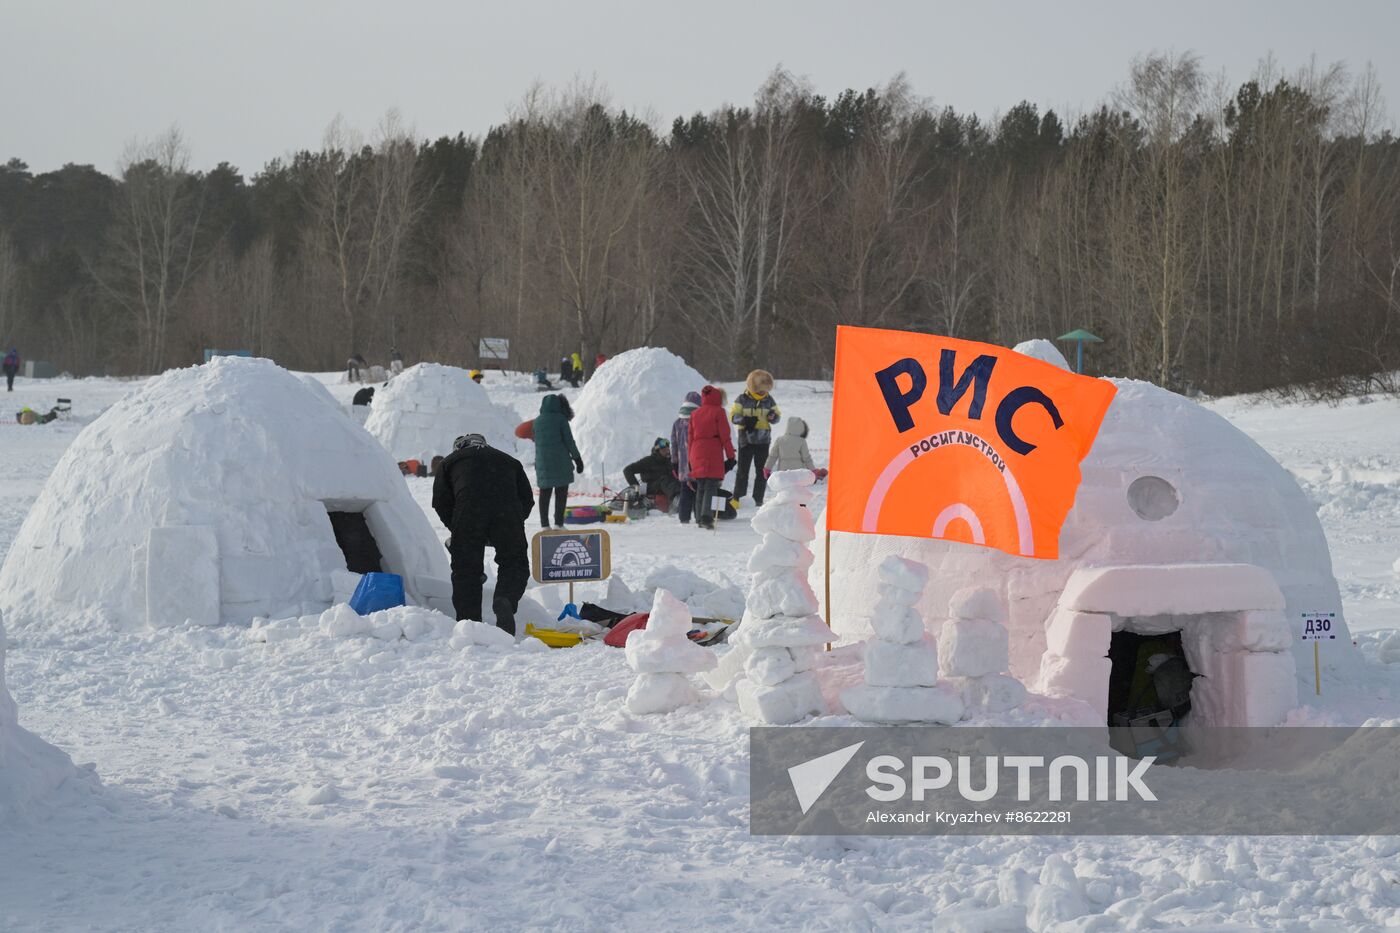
(1043, 350)
(426, 407)
(30, 769)
(630, 402)
(207, 495)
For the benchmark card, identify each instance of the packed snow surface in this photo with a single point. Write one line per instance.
(629, 402)
(421, 411)
(314, 771)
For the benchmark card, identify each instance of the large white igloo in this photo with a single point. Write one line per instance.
(218, 493)
(29, 767)
(1181, 524)
(629, 402)
(426, 407)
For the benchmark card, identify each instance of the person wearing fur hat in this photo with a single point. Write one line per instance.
(754, 412)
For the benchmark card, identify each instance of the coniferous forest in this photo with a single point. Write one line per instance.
(1217, 237)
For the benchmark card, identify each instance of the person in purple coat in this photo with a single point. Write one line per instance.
(680, 456)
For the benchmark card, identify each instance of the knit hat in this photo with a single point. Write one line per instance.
(692, 402)
(469, 440)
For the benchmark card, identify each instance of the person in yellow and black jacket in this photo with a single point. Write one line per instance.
(754, 412)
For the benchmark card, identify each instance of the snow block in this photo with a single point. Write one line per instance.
(787, 594)
(900, 573)
(903, 704)
(470, 632)
(340, 621)
(769, 666)
(973, 647)
(1079, 634)
(782, 704)
(791, 479)
(1258, 630)
(182, 575)
(782, 632)
(990, 693)
(730, 666)
(775, 551)
(1187, 589)
(892, 599)
(1267, 687)
(1083, 678)
(790, 521)
(977, 602)
(804, 659)
(899, 624)
(888, 664)
(659, 693)
(797, 495)
(651, 652)
(669, 616)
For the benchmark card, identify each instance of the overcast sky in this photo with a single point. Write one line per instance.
(251, 80)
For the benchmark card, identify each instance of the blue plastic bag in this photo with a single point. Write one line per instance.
(377, 591)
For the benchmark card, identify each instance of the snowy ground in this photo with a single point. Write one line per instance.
(354, 783)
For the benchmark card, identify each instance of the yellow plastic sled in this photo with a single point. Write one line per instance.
(553, 638)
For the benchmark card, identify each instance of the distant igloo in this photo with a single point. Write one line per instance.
(29, 767)
(1183, 527)
(426, 407)
(631, 401)
(216, 493)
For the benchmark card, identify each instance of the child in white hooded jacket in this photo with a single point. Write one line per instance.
(790, 451)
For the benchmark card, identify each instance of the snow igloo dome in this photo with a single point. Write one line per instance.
(631, 401)
(426, 407)
(218, 493)
(1184, 529)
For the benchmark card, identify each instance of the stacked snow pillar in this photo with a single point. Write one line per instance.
(901, 663)
(662, 654)
(974, 652)
(781, 631)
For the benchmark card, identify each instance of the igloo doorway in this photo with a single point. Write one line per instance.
(1132, 687)
(356, 542)
(1231, 626)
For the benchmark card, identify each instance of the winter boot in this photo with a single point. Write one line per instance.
(505, 613)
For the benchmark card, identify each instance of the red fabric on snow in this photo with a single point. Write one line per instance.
(617, 636)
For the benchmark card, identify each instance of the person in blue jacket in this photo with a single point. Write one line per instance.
(11, 368)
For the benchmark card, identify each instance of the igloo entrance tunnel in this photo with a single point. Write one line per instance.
(1183, 528)
(218, 493)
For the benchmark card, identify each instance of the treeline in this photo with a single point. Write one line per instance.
(1227, 239)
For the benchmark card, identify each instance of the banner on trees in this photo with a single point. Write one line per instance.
(933, 437)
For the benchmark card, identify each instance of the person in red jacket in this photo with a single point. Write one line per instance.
(711, 453)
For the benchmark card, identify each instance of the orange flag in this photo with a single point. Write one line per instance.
(933, 437)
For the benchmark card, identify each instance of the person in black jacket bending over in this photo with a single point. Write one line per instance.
(654, 471)
(482, 495)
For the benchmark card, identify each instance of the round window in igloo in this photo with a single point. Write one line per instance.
(1153, 498)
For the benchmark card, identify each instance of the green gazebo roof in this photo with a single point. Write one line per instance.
(1080, 335)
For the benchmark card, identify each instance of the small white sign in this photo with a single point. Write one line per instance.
(1319, 626)
(494, 348)
(719, 503)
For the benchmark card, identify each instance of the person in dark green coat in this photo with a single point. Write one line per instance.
(556, 456)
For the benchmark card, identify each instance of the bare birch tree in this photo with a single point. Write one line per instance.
(154, 252)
